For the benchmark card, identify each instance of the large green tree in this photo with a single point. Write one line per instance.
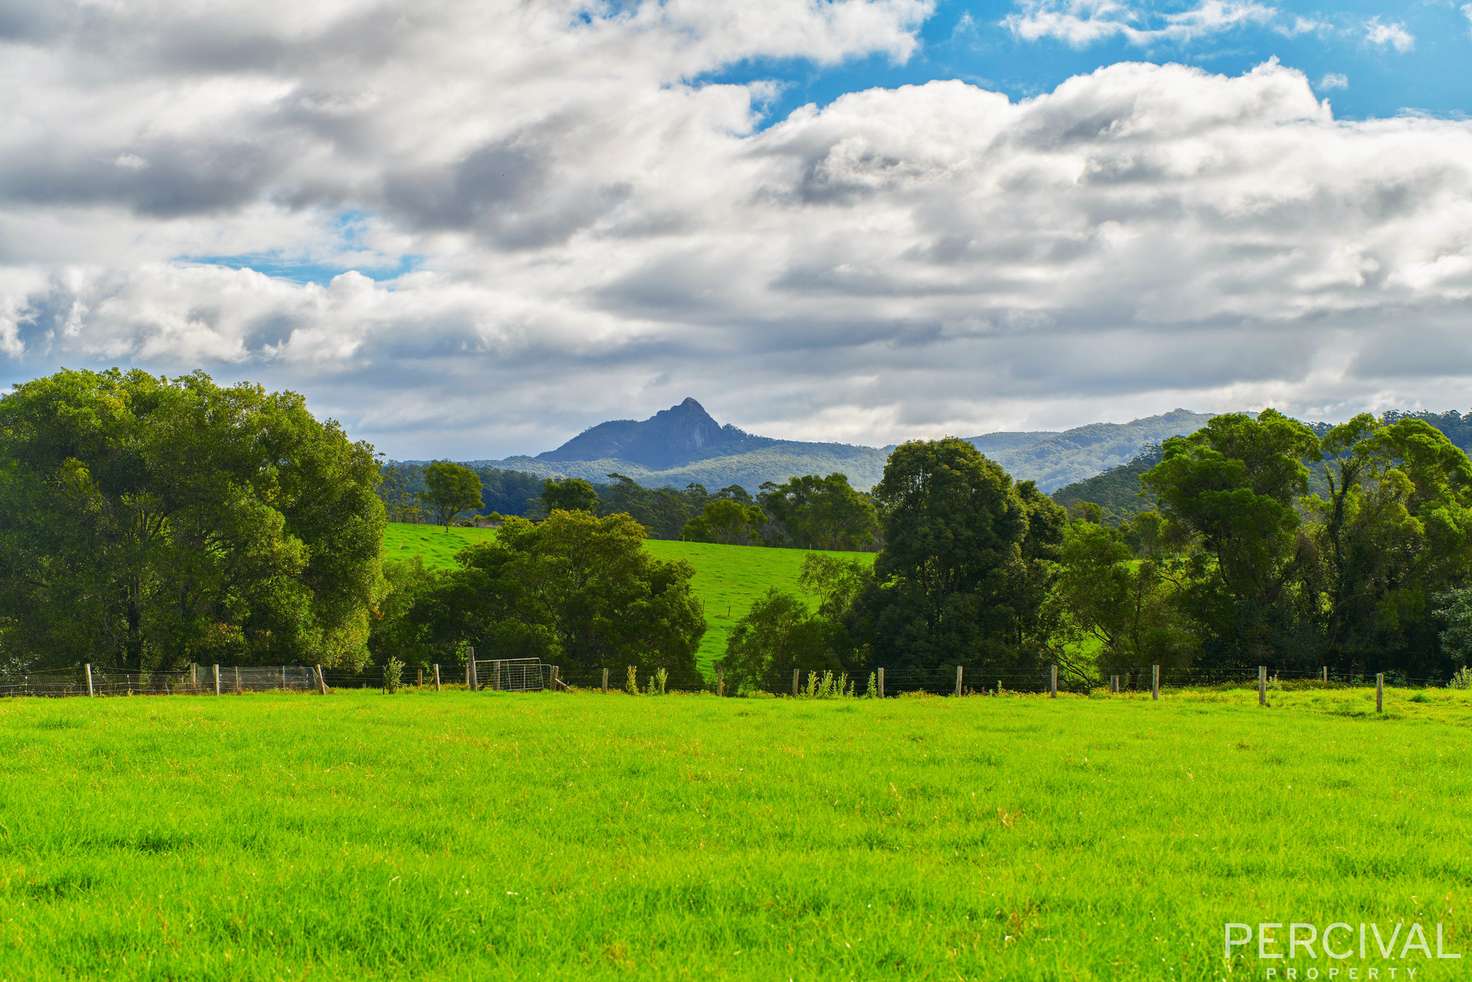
(965, 566)
(813, 512)
(727, 521)
(1118, 588)
(148, 522)
(1393, 532)
(1235, 488)
(573, 494)
(574, 589)
(450, 489)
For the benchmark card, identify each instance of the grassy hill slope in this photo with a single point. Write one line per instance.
(728, 579)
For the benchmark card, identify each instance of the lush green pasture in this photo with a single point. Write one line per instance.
(728, 579)
(472, 835)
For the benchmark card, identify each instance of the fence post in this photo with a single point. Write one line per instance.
(217, 679)
(1326, 674)
(420, 673)
(473, 679)
(194, 677)
(794, 682)
(1379, 692)
(496, 674)
(1155, 682)
(321, 681)
(90, 691)
(1114, 683)
(1262, 685)
(436, 676)
(881, 683)
(720, 682)
(1053, 681)
(556, 676)
(238, 689)
(605, 681)
(958, 680)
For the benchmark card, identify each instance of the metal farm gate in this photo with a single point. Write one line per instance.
(509, 674)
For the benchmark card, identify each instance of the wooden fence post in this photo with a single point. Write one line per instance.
(436, 676)
(217, 679)
(1262, 685)
(1379, 692)
(794, 682)
(194, 677)
(1053, 681)
(605, 681)
(1155, 682)
(881, 683)
(958, 680)
(90, 690)
(321, 681)
(420, 673)
(720, 682)
(474, 682)
(496, 674)
(1114, 683)
(238, 689)
(556, 676)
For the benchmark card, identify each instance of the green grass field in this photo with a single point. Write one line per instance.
(728, 579)
(472, 835)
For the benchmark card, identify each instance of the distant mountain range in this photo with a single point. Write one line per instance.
(683, 445)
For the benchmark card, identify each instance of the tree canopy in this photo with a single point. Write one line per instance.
(149, 522)
(450, 489)
(575, 589)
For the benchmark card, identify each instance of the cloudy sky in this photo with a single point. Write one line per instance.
(474, 227)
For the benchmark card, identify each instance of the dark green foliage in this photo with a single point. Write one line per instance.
(449, 489)
(1234, 485)
(778, 635)
(1119, 587)
(782, 633)
(502, 492)
(1392, 534)
(575, 590)
(814, 512)
(150, 522)
(663, 511)
(727, 521)
(573, 494)
(393, 633)
(966, 563)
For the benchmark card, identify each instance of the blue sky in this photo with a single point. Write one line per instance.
(971, 41)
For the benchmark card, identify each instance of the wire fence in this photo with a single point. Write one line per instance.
(533, 675)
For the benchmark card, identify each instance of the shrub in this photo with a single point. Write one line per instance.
(393, 674)
(1462, 679)
(631, 682)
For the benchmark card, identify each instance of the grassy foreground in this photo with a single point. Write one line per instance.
(728, 579)
(466, 835)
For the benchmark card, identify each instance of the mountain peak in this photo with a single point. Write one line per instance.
(673, 436)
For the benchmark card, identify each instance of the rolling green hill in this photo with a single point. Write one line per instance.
(728, 579)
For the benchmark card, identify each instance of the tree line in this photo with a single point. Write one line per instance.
(1271, 543)
(148, 522)
(806, 512)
